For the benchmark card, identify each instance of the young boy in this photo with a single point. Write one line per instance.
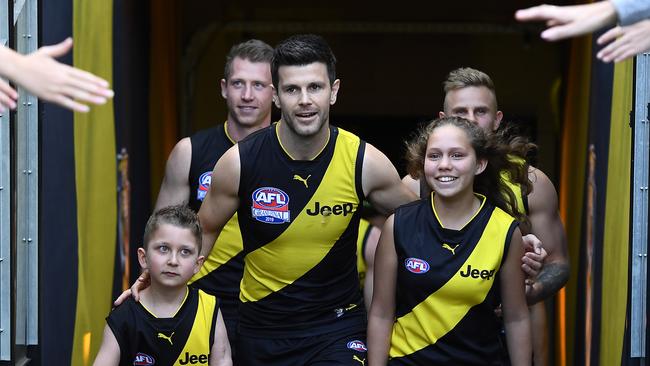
(172, 324)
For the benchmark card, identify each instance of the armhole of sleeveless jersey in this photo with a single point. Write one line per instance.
(113, 325)
(242, 168)
(213, 329)
(190, 171)
(506, 246)
(359, 170)
(364, 242)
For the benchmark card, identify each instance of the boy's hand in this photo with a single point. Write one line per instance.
(140, 284)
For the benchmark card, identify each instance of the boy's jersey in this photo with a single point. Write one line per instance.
(222, 270)
(186, 338)
(299, 222)
(448, 286)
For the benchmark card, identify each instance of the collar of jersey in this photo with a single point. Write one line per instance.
(277, 135)
(478, 195)
(187, 292)
(225, 129)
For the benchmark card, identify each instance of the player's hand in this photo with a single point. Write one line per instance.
(627, 41)
(569, 21)
(59, 83)
(534, 256)
(140, 284)
(8, 96)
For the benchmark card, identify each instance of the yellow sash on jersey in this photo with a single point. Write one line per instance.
(199, 338)
(437, 315)
(308, 239)
(228, 245)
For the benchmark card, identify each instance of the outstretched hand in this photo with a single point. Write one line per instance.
(8, 96)
(140, 284)
(627, 41)
(59, 83)
(569, 21)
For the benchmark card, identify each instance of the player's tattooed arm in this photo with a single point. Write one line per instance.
(547, 226)
(548, 282)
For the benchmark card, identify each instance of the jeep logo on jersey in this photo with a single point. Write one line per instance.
(344, 209)
(477, 273)
(270, 206)
(357, 346)
(204, 185)
(189, 359)
(416, 265)
(143, 359)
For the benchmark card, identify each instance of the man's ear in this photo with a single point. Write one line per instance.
(335, 90)
(497, 121)
(480, 166)
(441, 114)
(142, 258)
(224, 88)
(276, 98)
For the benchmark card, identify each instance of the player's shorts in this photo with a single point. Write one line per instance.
(343, 348)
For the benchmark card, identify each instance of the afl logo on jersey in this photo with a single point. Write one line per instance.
(416, 265)
(204, 185)
(270, 206)
(143, 359)
(357, 346)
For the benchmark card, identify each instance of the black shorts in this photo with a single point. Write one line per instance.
(345, 348)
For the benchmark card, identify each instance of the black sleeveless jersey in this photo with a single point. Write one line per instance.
(222, 270)
(145, 339)
(448, 286)
(207, 147)
(299, 222)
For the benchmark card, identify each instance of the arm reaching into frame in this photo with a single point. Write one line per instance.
(570, 21)
(40, 74)
(625, 42)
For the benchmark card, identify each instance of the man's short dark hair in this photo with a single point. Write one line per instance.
(300, 50)
(252, 50)
(180, 216)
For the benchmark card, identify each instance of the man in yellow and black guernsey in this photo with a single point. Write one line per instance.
(247, 90)
(297, 188)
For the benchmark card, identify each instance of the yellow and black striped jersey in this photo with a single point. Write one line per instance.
(446, 286)
(145, 339)
(299, 223)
